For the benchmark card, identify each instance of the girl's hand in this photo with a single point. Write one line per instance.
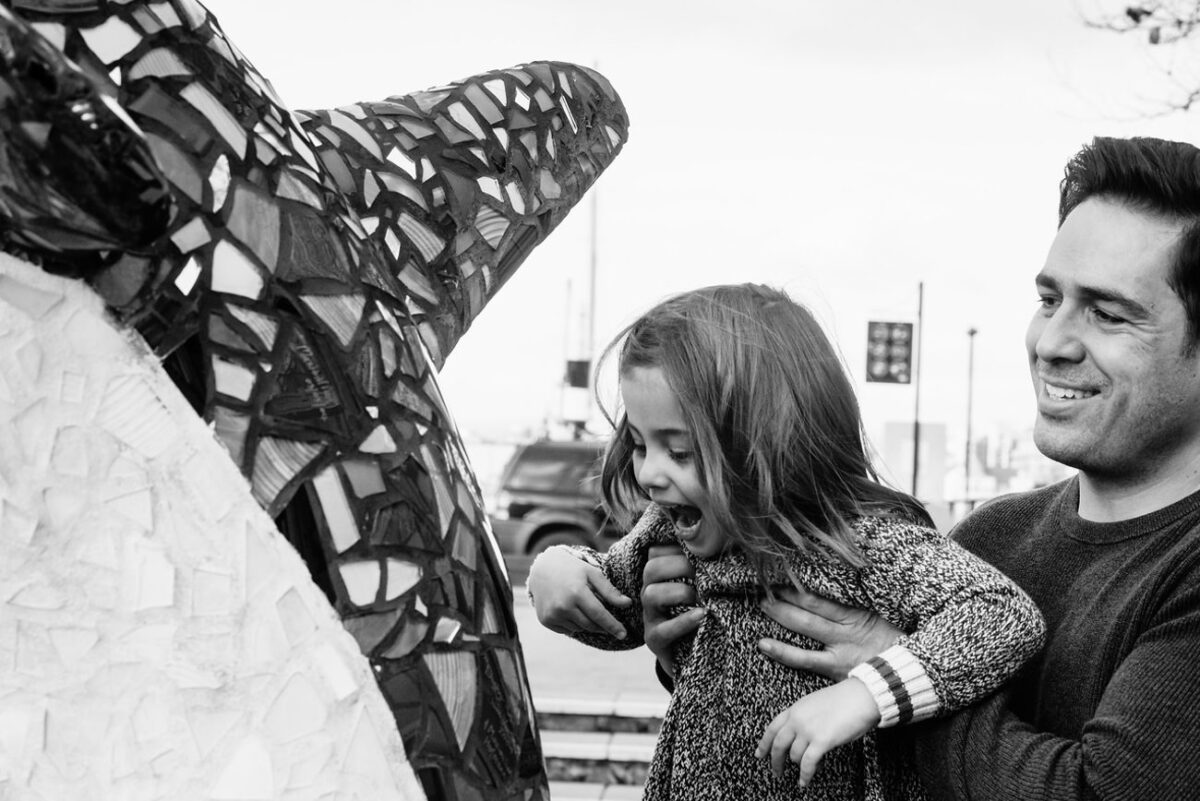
(817, 723)
(569, 594)
(850, 636)
(662, 594)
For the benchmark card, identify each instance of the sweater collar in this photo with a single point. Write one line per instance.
(1089, 531)
(728, 574)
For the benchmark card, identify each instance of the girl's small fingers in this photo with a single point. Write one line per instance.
(572, 622)
(809, 761)
(604, 588)
(784, 742)
(764, 742)
(593, 617)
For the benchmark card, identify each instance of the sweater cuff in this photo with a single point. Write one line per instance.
(901, 688)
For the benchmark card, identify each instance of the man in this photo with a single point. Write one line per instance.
(1111, 708)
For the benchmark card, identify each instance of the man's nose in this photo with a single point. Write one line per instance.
(1057, 338)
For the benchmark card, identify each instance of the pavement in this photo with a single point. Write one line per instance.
(569, 678)
(561, 669)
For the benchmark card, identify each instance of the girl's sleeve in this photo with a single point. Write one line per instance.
(622, 564)
(968, 627)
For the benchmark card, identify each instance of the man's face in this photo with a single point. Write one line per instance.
(1118, 395)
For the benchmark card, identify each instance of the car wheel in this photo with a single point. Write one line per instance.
(572, 536)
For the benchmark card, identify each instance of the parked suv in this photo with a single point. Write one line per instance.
(550, 495)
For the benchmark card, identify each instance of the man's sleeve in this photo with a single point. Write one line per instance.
(970, 628)
(1140, 744)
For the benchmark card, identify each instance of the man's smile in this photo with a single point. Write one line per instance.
(1068, 393)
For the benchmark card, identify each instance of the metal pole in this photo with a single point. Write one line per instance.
(591, 323)
(564, 384)
(971, 332)
(916, 464)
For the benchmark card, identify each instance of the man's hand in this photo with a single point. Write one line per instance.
(569, 594)
(850, 636)
(662, 594)
(816, 724)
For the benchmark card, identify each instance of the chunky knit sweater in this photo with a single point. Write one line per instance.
(969, 628)
(1111, 709)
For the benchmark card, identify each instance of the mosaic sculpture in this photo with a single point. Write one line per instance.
(303, 276)
(158, 638)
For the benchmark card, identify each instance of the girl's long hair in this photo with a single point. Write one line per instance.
(775, 424)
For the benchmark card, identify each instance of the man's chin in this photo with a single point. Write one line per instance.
(1062, 446)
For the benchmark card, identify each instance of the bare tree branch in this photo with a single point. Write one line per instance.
(1171, 31)
(1164, 21)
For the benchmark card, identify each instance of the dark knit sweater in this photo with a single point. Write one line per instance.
(970, 629)
(1111, 709)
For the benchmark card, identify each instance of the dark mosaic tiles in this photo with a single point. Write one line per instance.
(304, 275)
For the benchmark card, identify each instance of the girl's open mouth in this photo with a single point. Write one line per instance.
(686, 518)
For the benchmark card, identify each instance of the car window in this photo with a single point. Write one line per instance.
(551, 471)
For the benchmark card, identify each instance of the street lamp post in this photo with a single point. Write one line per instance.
(971, 332)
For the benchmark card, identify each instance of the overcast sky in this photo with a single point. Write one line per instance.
(843, 151)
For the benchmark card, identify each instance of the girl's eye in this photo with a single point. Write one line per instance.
(638, 447)
(681, 456)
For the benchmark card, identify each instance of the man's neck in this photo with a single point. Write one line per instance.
(1103, 499)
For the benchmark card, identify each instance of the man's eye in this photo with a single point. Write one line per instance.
(1105, 317)
(1048, 302)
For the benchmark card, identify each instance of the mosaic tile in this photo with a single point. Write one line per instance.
(180, 648)
(343, 528)
(409, 212)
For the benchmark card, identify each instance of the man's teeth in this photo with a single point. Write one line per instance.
(1063, 393)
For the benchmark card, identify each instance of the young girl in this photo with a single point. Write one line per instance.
(741, 440)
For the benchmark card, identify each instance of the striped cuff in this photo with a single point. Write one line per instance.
(900, 685)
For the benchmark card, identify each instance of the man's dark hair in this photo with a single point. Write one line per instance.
(1153, 176)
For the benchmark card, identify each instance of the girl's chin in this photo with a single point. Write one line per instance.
(701, 547)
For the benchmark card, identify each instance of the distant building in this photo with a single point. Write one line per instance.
(1003, 460)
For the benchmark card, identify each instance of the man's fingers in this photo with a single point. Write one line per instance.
(821, 662)
(801, 621)
(657, 598)
(671, 630)
(817, 604)
(663, 549)
(665, 563)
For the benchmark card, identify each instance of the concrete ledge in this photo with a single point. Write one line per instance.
(625, 715)
(594, 791)
(619, 747)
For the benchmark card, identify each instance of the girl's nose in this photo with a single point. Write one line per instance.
(649, 472)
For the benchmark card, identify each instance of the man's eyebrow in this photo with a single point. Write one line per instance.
(1098, 293)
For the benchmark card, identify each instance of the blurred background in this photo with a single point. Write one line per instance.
(881, 161)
